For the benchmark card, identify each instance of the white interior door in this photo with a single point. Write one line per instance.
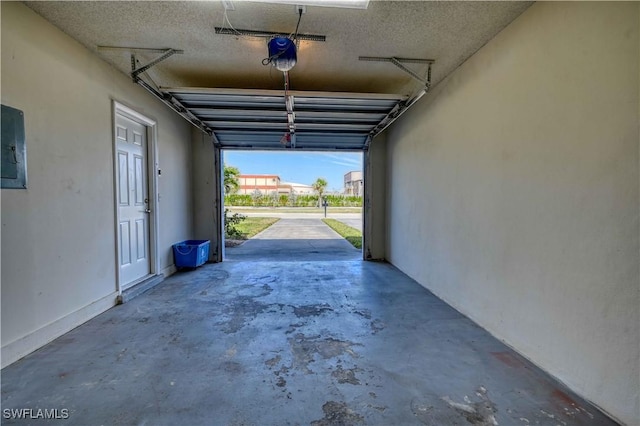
(132, 200)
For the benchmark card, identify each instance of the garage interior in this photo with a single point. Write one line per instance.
(500, 272)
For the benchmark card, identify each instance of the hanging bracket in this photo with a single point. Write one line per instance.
(137, 71)
(398, 62)
(167, 98)
(401, 107)
(165, 53)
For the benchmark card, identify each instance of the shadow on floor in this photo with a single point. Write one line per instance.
(293, 250)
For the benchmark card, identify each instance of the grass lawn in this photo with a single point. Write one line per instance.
(253, 225)
(348, 233)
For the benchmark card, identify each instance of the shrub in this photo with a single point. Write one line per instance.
(257, 199)
(230, 222)
(238, 200)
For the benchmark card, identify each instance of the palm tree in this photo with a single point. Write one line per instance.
(231, 179)
(319, 186)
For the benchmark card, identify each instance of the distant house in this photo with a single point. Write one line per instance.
(300, 188)
(353, 183)
(266, 184)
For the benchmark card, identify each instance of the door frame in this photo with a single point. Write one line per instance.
(218, 170)
(152, 183)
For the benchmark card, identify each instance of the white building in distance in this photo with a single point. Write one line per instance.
(353, 183)
(299, 188)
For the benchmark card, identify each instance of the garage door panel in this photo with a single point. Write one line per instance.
(259, 119)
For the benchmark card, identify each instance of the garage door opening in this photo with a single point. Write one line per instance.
(292, 206)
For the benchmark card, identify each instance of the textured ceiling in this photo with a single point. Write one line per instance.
(448, 32)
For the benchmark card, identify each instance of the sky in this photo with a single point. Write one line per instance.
(299, 167)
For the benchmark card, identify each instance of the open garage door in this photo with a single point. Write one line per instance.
(273, 119)
(247, 119)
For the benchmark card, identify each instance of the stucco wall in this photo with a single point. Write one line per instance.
(513, 194)
(206, 192)
(58, 236)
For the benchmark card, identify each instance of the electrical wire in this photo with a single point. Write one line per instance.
(226, 23)
(295, 35)
(225, 18)
(270, 59)
(292, 36)
(224, 15)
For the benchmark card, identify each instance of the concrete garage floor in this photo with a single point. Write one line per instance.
(311, 342)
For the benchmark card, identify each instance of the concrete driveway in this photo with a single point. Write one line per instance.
(295, 239)
(352, 219)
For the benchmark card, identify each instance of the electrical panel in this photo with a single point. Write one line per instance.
(13, 149)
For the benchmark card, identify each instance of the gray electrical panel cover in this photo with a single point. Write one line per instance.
(14, 151)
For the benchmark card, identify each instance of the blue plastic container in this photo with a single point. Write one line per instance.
(191, 253)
